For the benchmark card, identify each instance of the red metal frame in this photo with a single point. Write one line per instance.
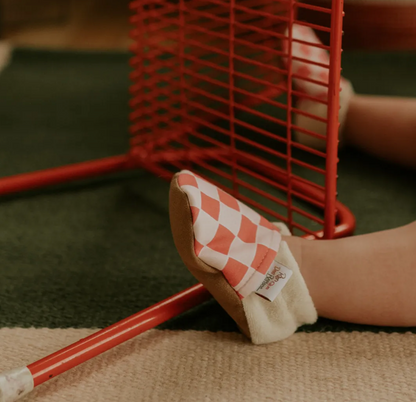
(174, 104)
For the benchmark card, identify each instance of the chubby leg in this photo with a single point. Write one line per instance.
(384, 127)
(367, 279)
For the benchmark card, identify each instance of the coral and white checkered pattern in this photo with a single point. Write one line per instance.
(230, 236)
(310, 53)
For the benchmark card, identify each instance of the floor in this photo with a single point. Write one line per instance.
(84, 24)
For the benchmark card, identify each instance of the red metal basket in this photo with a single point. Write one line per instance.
(210, 93)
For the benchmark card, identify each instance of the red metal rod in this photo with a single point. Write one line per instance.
(48, 177)
(114, 335)
(333, 114)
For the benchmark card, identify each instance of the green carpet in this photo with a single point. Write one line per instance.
(90, 253)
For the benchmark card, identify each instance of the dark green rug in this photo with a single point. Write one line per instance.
(90, 253)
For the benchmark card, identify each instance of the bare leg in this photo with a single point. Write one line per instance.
(368, 279)
(384, 127)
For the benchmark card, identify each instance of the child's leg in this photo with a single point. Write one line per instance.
(368, 279)
(384, 127)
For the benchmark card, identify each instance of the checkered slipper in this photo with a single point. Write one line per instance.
(307, 53)
(241, 258)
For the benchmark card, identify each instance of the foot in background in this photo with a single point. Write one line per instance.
(310, 60)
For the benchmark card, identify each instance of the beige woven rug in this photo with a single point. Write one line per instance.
(206, 366)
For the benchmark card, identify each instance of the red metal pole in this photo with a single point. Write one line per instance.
(333, 117)
(108, 338)
(48, 177)
(289, 112)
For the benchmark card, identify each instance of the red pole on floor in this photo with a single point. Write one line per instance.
(19, 382)
(49, 177)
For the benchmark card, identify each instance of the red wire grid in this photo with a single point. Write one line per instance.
(210, 93)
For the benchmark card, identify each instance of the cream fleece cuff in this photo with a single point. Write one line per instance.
(292, 308)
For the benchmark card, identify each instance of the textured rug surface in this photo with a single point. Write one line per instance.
(206, 366)
(87, 254)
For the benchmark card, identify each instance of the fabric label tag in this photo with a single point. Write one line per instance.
(276, 278)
